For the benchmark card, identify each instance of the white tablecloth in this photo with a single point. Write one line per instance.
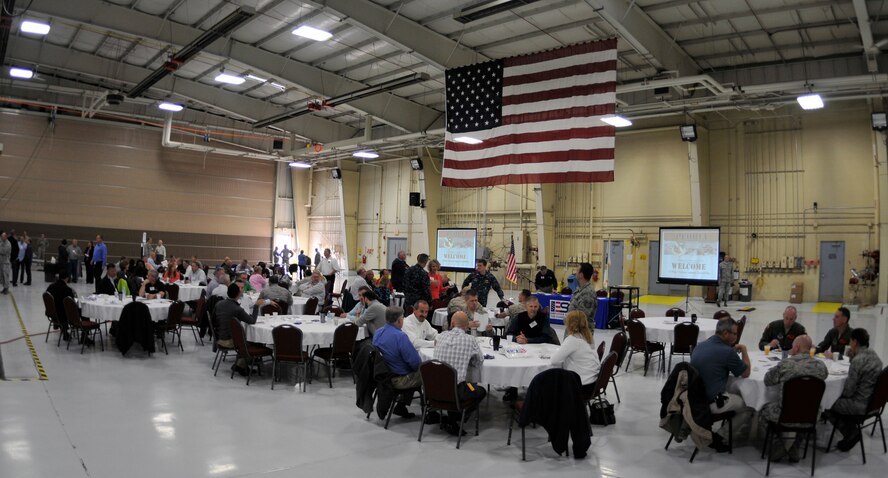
(662, 329)
(190, 291)
(105, 307)
(313, 331)
(503, 371)
(756, 394)
(298, 307)
(439, 317)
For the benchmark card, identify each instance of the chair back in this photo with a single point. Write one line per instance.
(685, 338)
(637, 334)
(72, 313)
(311, 306)
(172, 292)
(287, 340)
(618, 345)
(740, 326)
(49, 308)
(269, 308)
(605, 373)
(408, 310)
(333, 310)
(438, 304)
(285, 308)
(600, 350)
(344, 288)
(880, 394)
(344, 338)
(636, 314)
(174, 315)
(239, 337)
(721, 314)
(439, 383)
(671, 312)
(801, 400)
(601, 293)
(201, 307)
(617, 294)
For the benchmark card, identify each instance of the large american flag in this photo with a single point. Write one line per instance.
(537, 116)
(512, 269)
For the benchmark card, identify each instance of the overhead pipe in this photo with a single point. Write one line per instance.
(166, 142)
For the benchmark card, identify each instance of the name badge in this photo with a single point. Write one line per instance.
(533, 324)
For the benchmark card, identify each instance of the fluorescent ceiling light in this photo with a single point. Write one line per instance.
(365, 154)
(810, 102)
(21, 73)
(312, 33)
(616, 121)
(230, 79)
(39, 28)
(279, 86)
(467, 140)
(170, 106)
(299, 164)
(256, 78)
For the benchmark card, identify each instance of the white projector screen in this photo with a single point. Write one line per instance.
(456, 249)
(689, 255)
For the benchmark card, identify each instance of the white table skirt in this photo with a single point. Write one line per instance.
(106, 307)
(662, 329)
(190, 291)
(313, 332)
(756, 394)
(503, 371)
(298, 307)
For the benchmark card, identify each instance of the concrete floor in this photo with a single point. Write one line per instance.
(102, 415)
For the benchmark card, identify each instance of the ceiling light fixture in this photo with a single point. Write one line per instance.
(256, 78)
(21, 73)
(880, 122)
(416, 164)
(336, 173)
(167, 106)
(38, 28)
(365, 154)
(811, 101)
(688, 132)
(617, 121)
(279, 86)
(230, 79)
(299, 164)
(312, 33)
(467, 140)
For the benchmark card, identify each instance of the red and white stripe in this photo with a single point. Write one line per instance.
(551, 130)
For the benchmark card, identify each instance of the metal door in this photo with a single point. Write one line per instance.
(615, 263)
(832, 271)
(392, 246)
(654, 287)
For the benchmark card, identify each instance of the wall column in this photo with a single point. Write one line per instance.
(694, 172)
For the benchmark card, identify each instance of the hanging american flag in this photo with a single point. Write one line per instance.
(512, 269)
(533, 118)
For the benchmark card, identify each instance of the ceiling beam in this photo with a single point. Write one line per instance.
(710, 19)
(405, 34)
(537, 32)
(646, 37)
(341, 52)
(240, 106)
(391, 109)
(866, 36)
(358, 66)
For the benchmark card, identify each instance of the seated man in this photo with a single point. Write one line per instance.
(714, 359)
(800, 363)
(839, 336)
(461, 351)
(153, 264)
(59, 290)
(472, 307)
(545, 280)
(276, 292)
(780, 334)
(356, 311)
(373, 316)
(862, 377)
(195, 274)
(221, 289)
(243, 267)
(225, 311)
(420, 331)
(400, 356)
(532, 326)
(152, 288)
(355, 285)
(314, 286)
(108, 284)
(215, 280)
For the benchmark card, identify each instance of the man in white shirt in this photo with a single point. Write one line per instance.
(314, 286)
(357, 283)
(221, 289)
(195, 274)
(215, 281)
(328, 266)
(417, 328)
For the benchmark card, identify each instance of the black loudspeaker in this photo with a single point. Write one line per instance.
(277, 144)
(414, 199)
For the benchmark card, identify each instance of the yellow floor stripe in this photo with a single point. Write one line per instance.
(660, 299)
(34, 356)
(826, 307)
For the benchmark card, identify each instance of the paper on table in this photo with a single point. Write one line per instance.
(483, 319)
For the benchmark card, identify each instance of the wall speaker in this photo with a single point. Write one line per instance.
(277, 144)
(414, 199)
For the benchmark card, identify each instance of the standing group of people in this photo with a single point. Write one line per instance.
(303, 265)
(16, 257)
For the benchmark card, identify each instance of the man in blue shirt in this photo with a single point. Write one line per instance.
(402, 359)
(100, 256)
(714, 359)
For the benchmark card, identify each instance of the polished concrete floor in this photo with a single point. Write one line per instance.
(103, 415)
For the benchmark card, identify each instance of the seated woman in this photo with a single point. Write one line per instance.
(577, 353)
(171, 274)
(257, 280)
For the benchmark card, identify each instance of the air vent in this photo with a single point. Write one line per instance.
(488, 8)
(115, 98)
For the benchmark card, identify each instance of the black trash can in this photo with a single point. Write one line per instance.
(745, 291)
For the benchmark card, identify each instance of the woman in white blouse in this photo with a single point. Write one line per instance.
(577, 352)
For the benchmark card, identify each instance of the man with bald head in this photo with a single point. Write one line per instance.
(461, 351)
(800, 363)
(780, 334)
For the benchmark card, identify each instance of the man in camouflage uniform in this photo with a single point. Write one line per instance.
(799, 364)
(862, 378)
(481, 281)
(782, 333)
(725, 278)
(5, 264)
(416, 282)
(584, 297)
(839, 336)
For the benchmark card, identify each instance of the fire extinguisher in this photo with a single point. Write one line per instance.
(364, 259)
(595, 276)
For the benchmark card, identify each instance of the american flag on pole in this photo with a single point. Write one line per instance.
(512, 269)
(533, 118)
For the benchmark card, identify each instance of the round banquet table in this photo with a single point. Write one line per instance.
(189, 291)
(101, 308)
(298, 307)
(756, 394)
(313, 331)
(662, 329)
(439, 317)
(504, 371)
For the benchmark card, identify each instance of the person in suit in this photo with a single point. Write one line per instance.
(27, 259)
(108, 284)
